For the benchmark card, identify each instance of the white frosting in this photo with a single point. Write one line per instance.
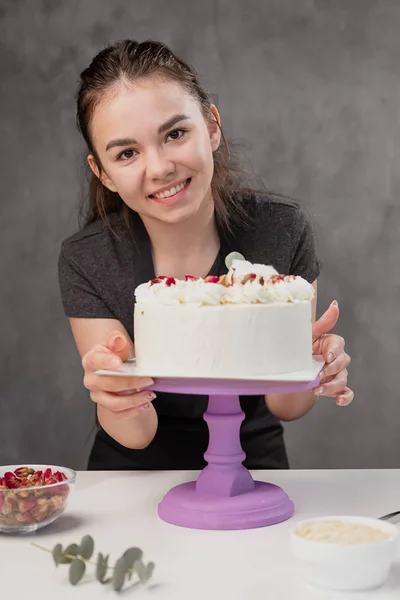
(257, 290)
(233, 340)
(240, 268)
(181, 292)
(249, 325)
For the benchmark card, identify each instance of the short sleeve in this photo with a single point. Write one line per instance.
(304, 259)
(78, 296)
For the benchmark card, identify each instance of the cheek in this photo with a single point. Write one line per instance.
(199, 156)
(127, 182)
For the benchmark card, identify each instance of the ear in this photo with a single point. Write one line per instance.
(214, 128)
(102, 175)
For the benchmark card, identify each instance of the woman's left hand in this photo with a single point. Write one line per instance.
(333, 377)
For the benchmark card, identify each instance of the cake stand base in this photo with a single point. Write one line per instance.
(266, 504)
(225, 496)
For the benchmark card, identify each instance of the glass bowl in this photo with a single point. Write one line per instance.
(35, 496)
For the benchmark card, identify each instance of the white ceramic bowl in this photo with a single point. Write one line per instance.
(355, 567)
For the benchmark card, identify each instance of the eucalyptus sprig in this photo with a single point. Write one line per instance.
(79, 555)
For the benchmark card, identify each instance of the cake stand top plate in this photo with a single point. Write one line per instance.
(272, 383)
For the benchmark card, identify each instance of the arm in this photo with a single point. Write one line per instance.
(292, 406)
(129, 426)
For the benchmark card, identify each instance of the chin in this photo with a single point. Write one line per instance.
(176, 217)
(176, 214)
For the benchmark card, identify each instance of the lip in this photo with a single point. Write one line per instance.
(172, 199)
(168, 187)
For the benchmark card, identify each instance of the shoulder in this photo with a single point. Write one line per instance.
(279, 232)
(275, 214)
(91, 238)
(269, 205)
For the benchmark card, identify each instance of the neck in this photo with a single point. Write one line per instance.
(189, 247)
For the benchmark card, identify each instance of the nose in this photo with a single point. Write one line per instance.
(158, 165)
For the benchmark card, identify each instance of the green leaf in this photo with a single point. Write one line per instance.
(57, 554)
(102, 567)
(144, 572)
(131, 555)
(140, 570)
(150, 570)
(119, 574)
(76, 571)
(86, 547)
(72, 550)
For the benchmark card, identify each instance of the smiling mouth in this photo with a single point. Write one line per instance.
(171, 192)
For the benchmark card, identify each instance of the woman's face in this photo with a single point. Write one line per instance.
(156, 149)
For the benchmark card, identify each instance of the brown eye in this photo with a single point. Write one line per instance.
(176, 134)
(126, 155)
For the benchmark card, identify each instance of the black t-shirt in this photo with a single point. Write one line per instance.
(99, 269)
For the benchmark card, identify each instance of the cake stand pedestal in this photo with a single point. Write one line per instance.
(225, 496)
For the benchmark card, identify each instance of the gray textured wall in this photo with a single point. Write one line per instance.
(312, 89)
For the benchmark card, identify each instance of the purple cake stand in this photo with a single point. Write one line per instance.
(225, 496)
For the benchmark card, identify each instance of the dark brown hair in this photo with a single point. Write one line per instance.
(129, 61)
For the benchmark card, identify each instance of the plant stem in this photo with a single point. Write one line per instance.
(89, 562)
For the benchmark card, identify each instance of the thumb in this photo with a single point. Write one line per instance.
(118, 343)
(326, 322)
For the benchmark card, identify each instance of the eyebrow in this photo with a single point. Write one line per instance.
(162, 129)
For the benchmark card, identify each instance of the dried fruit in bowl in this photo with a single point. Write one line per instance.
(21, 502)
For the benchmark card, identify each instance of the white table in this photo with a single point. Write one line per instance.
(119, 509)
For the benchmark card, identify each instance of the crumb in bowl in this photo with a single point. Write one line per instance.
(341, 532)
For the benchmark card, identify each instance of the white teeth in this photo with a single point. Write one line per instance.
(171, 192)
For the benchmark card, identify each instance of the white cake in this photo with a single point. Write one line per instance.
(248, 323)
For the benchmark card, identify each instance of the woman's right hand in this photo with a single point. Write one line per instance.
(126, 396)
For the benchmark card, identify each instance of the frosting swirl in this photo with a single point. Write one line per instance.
(245, 283)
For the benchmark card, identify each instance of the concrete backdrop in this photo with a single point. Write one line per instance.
(311, 88)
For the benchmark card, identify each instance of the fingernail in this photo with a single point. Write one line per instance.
(321, 375)
(335, 303)
(330, 357)
(151, 396)
(115, 363)
(319, 390)
(341, 401)
(144, 406)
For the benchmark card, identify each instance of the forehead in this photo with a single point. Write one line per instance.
(139, 108)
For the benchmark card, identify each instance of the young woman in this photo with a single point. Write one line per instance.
(166, 199)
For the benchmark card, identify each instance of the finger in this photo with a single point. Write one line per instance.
(326, 322)
(333, 387)
(118, 343)
(345, 397)
(108, 383)
(332, 347)
(118, 403)
(101, 358)
(338, 364)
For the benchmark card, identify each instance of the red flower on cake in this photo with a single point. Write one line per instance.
(167, 280)
(250, 277)
(212, 279)
(275, 278)
(190, 278)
